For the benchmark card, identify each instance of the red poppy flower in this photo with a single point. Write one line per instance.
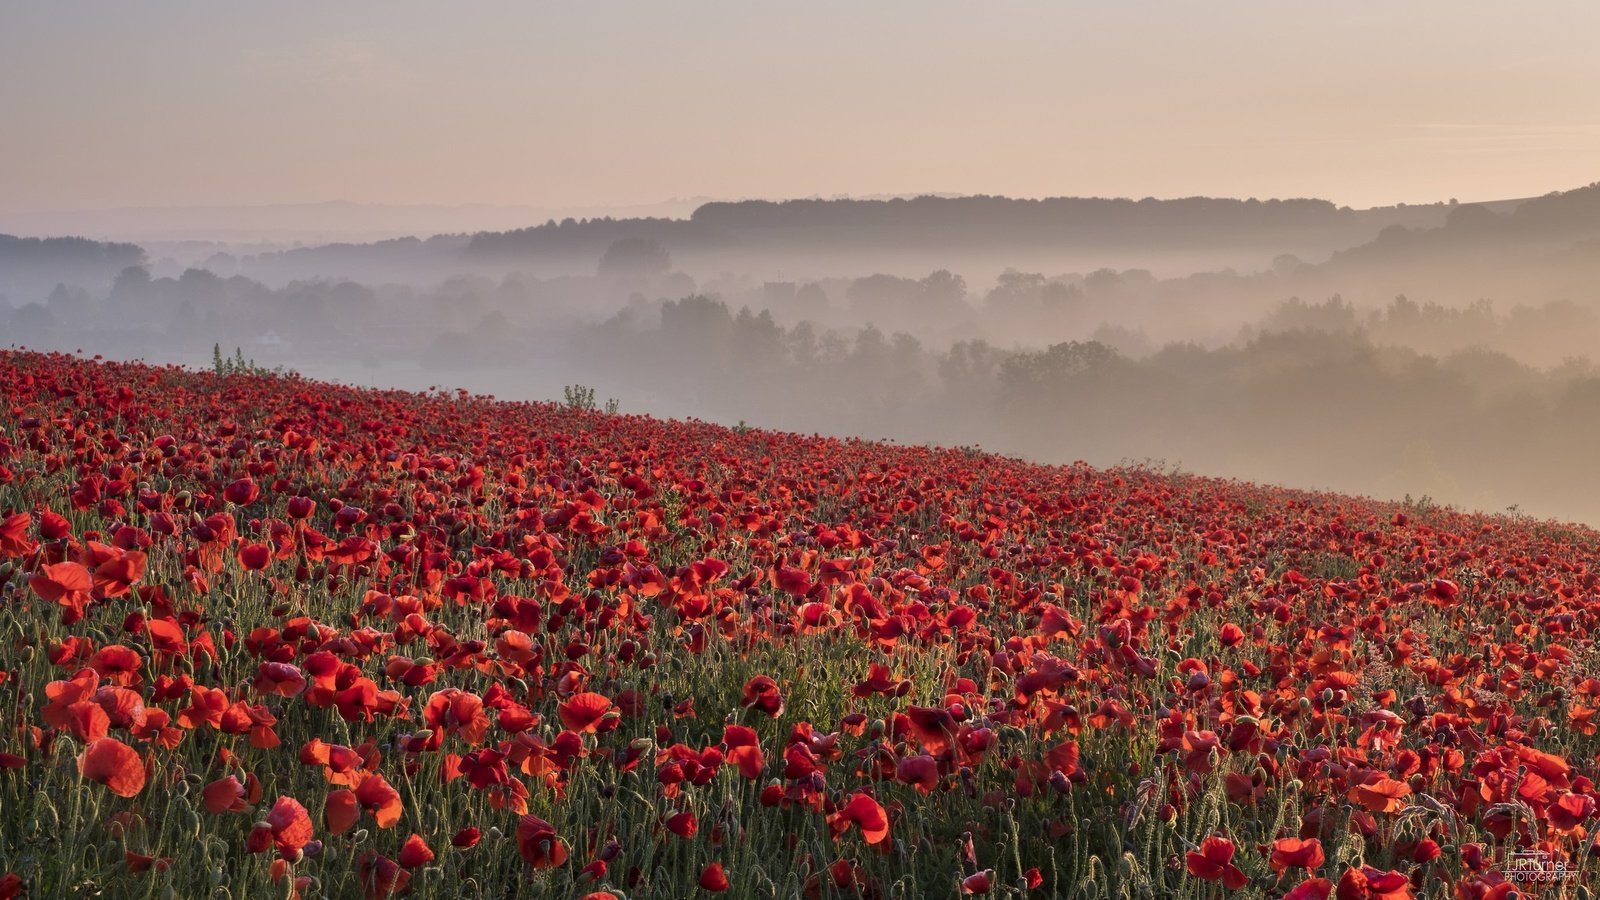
(1310, 889)
(290, 824)
(415, 852)
(865, 813)
(978, 883)
(538, 844)
(141, 862)
(683, 824)
(1367, 883)
(241, 492)
(584, 712)
(67, 584)
(713, 878)
(1294, 853)
(255, 557)
(14, 540)
(116, 576)
(378, 797)
(921, 772)
(224, 795)
(454, 711)
(1384, 795)
(381, 877)
(1214, 862)
(113, 764)
(340, 811)
(761, 694)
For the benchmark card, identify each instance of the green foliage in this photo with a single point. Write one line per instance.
(238, 365)
(580, 396)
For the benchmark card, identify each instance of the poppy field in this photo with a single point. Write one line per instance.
(267, 637)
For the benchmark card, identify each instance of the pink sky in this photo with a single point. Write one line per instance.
(198, 103)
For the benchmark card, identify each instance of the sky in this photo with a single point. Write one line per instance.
(113, 104)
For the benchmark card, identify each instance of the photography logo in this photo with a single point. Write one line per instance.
(1535, 867)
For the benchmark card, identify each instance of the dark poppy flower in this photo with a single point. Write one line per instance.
(978, 883)
(761, 694)
(381, 877)
(538, 844)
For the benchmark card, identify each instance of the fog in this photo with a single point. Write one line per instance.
(1438, 352)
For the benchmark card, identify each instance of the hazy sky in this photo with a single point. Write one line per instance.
(565, 104)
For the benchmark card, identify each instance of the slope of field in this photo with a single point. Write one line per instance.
(267, 636)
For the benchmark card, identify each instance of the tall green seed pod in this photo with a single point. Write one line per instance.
(47, 819)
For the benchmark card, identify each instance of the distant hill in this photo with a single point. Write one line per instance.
(970, 233)
(306, 224)
(1487, 247)
(1541, 249)
(31, 267)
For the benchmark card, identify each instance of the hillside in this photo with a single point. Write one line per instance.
(371, 642)
(972, 233)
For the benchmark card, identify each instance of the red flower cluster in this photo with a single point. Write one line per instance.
(450, 638)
